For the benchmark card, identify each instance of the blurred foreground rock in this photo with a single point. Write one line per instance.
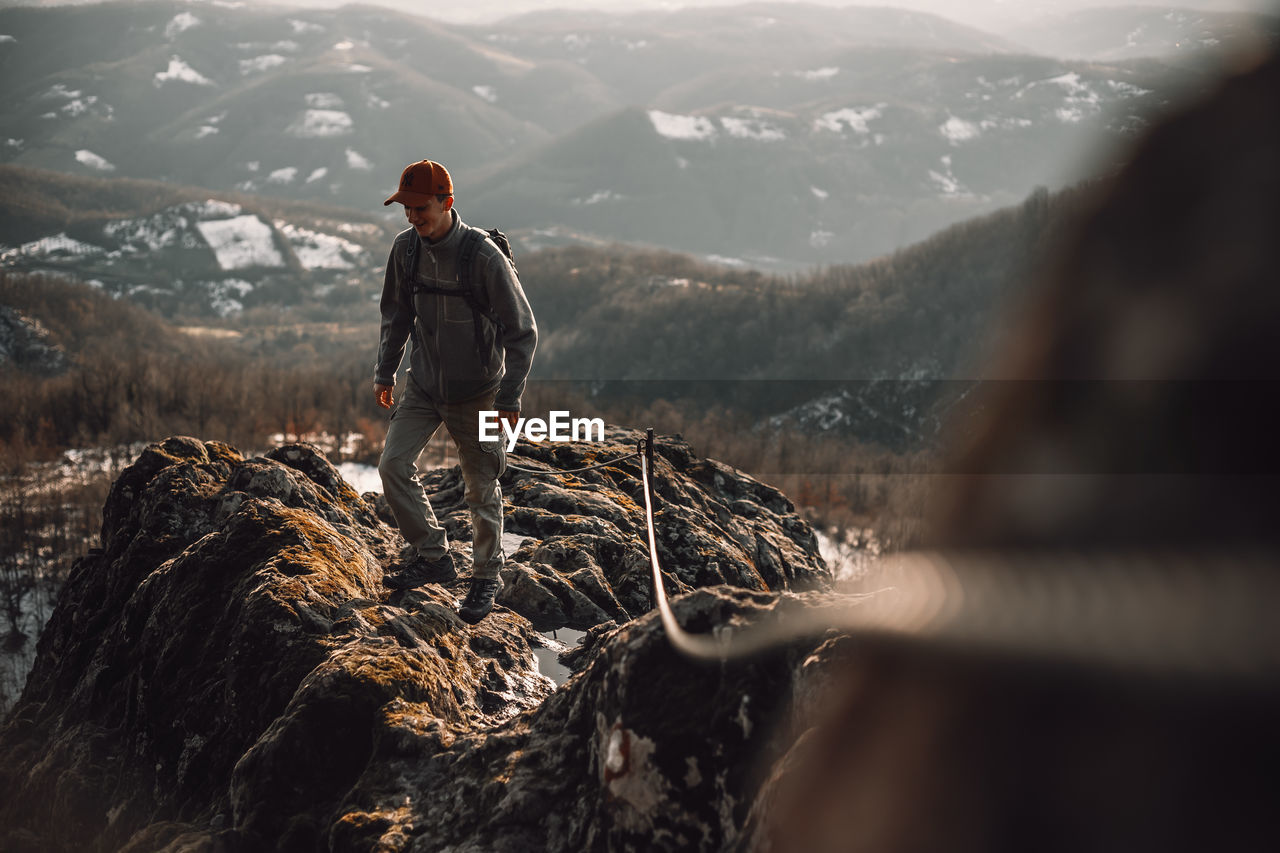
(229, 673)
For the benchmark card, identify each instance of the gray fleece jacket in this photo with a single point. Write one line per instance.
(443, 362)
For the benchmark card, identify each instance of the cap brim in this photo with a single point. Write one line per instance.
(410, 198)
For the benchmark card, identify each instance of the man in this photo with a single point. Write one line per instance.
(472, 348)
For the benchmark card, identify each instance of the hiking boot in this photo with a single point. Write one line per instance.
(479, 600)
(420, 570)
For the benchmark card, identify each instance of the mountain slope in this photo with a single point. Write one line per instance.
(846, 162)
(181, 250)
(1178, 34)
(866, 129)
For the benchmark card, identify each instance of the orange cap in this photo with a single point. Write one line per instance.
(420, 181)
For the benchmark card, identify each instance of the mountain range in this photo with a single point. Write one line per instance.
(779, 135)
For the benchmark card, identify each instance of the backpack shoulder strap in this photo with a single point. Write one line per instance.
(414, 240)
(475, 296)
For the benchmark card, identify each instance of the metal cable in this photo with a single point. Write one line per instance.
(574, 470)
(726, 642)
(1186, 614)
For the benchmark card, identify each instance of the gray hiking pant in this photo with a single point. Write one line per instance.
(413, 423)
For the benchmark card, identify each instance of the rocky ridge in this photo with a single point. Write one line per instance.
(229, 673)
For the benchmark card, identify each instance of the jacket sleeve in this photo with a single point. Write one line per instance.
(519, 330)
(397, 322)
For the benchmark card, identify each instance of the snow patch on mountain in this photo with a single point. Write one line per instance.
(317, 174)
(94, 161)
(356, 160)
(946, 180)
(317, 250)
(957, 130)
(261, 63)
(749, 128)
(58, 245)
(486, 93)
(300, 27)
(181, 22)
(286, 175)
(675, 126)
(317, 124)
(181, 72)
(820, 238)
(324, 101)
(241, 242)
(819, 73)
(819, 193)
(597, 197)
(77, 103)
(1127, 90)
(225, 295)
(7, 39)
(857, 119)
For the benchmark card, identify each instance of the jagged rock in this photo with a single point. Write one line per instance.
(230, 671)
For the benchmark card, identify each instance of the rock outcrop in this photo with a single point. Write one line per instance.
(229, 673)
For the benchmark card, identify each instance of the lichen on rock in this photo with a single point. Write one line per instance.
(229, 669)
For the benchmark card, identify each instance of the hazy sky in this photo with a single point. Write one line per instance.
(989, 14)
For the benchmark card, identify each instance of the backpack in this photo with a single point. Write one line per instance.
(473, 296)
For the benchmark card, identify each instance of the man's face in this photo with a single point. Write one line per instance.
(431, 220)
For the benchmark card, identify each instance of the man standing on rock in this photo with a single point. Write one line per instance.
(473, 341)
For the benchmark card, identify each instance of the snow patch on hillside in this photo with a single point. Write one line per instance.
(356, 160)
(7, 39)
(819, 73)
(1127, 90)
(261, 63)
(324, 101)
(749, 128)
(286, 175)
(857, 119)
(181, 22)
(682, 127)
(319, 251)
(181, 72)
(214, 209)
(317, 174)
(317, 124)
(240, 242)
(957, 130)
(142, 236)
(94, 161)
(57, 245)
(300, 27)
(946, 180)
(486, 93)
(599, 196)
(225, 295)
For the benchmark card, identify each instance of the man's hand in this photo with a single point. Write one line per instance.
(509, 417)
(383, 395)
